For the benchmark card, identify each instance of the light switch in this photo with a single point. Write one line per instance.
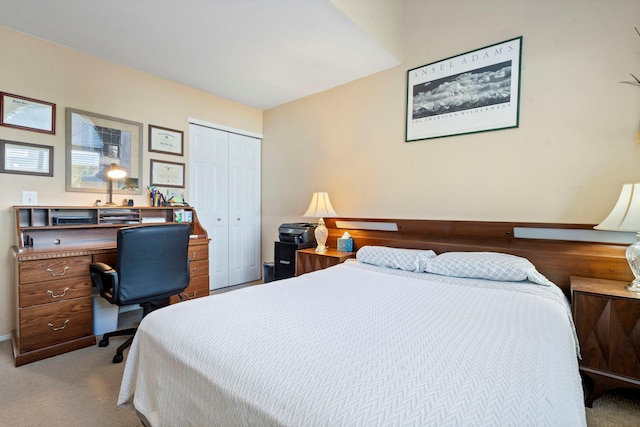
(29, 197)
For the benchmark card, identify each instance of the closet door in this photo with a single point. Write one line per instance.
(244, 209)
(224, 186)
(209, 192)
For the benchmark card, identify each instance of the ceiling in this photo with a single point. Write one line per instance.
(261, 53)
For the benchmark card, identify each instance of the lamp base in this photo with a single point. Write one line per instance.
(322, 233)
(633, 258)
(634, 286)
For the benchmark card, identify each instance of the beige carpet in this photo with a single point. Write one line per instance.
(81, 388)
(618, 408)
(76, 389)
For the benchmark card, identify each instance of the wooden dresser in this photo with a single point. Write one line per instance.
(54, 247)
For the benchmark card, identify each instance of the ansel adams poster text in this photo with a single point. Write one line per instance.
(473, 92)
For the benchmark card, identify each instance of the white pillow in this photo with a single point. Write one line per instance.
(485, 265)
(403, 259)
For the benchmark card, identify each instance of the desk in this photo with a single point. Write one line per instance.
(54, 303)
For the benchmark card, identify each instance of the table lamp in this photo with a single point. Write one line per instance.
(113, 173)
(625, 216)
(320, 206)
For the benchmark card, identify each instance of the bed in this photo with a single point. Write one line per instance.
(395, 337)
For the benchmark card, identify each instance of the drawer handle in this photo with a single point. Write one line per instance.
(64, 270)
(193, 271)
(58, 296)
(194, 254)
(53, 328)
(191, 296)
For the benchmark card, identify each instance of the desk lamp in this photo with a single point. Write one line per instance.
(113, 173)
(320, 206)
(625, 216)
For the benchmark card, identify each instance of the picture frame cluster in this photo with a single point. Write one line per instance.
(93, 142)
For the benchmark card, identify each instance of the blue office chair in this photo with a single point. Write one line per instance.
(152, 265)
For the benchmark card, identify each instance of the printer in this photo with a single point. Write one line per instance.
(298, 232)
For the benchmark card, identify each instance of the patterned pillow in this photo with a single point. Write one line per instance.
(485, 265)
(403, 259)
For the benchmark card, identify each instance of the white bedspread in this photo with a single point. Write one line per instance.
(352, 346)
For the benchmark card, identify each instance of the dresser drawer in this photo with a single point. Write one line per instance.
(199, 268)
(54, 291)
(198, 287)
(49, 324)
(53, 269)
(198, 252)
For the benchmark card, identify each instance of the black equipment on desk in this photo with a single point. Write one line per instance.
(297, 232)
(292, 237)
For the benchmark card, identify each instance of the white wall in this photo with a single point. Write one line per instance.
(576, 144)
(382, 19)
(37, 69)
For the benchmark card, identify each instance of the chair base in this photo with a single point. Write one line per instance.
(120, 351)
(147, 308)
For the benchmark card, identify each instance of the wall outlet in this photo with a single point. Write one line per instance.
(29, 197)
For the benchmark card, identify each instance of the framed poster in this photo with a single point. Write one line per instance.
(26, 159)
(476, 91)
(94, 143)
(27, 113)
(167, 141)
(167, 174)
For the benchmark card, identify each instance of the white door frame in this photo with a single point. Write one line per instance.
(191, 120)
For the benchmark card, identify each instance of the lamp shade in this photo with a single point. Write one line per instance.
(320, 206)
(116, 172)
(625, 215)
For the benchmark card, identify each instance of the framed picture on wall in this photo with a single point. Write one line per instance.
(26, 159)
(167, 174)
(27, 113)
(472, 92)
(165, 140)
(94, 143)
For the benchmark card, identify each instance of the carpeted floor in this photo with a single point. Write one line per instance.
(76, 389)
(617, 408)
(81, 389)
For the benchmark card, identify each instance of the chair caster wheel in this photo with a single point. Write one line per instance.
(103, 342)
(117, 358)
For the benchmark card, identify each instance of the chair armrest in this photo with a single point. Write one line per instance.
(106, 279)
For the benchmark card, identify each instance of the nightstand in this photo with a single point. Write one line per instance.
(607, 319)
(308, 260)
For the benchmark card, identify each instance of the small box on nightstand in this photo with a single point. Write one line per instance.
(345, 245)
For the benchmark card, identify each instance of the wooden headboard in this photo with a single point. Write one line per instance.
(556, 259)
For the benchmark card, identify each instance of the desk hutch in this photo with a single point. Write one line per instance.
(55, 246)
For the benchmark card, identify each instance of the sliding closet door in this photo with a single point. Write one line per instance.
(224, 186)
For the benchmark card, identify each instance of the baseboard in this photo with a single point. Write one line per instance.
(5, 337)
